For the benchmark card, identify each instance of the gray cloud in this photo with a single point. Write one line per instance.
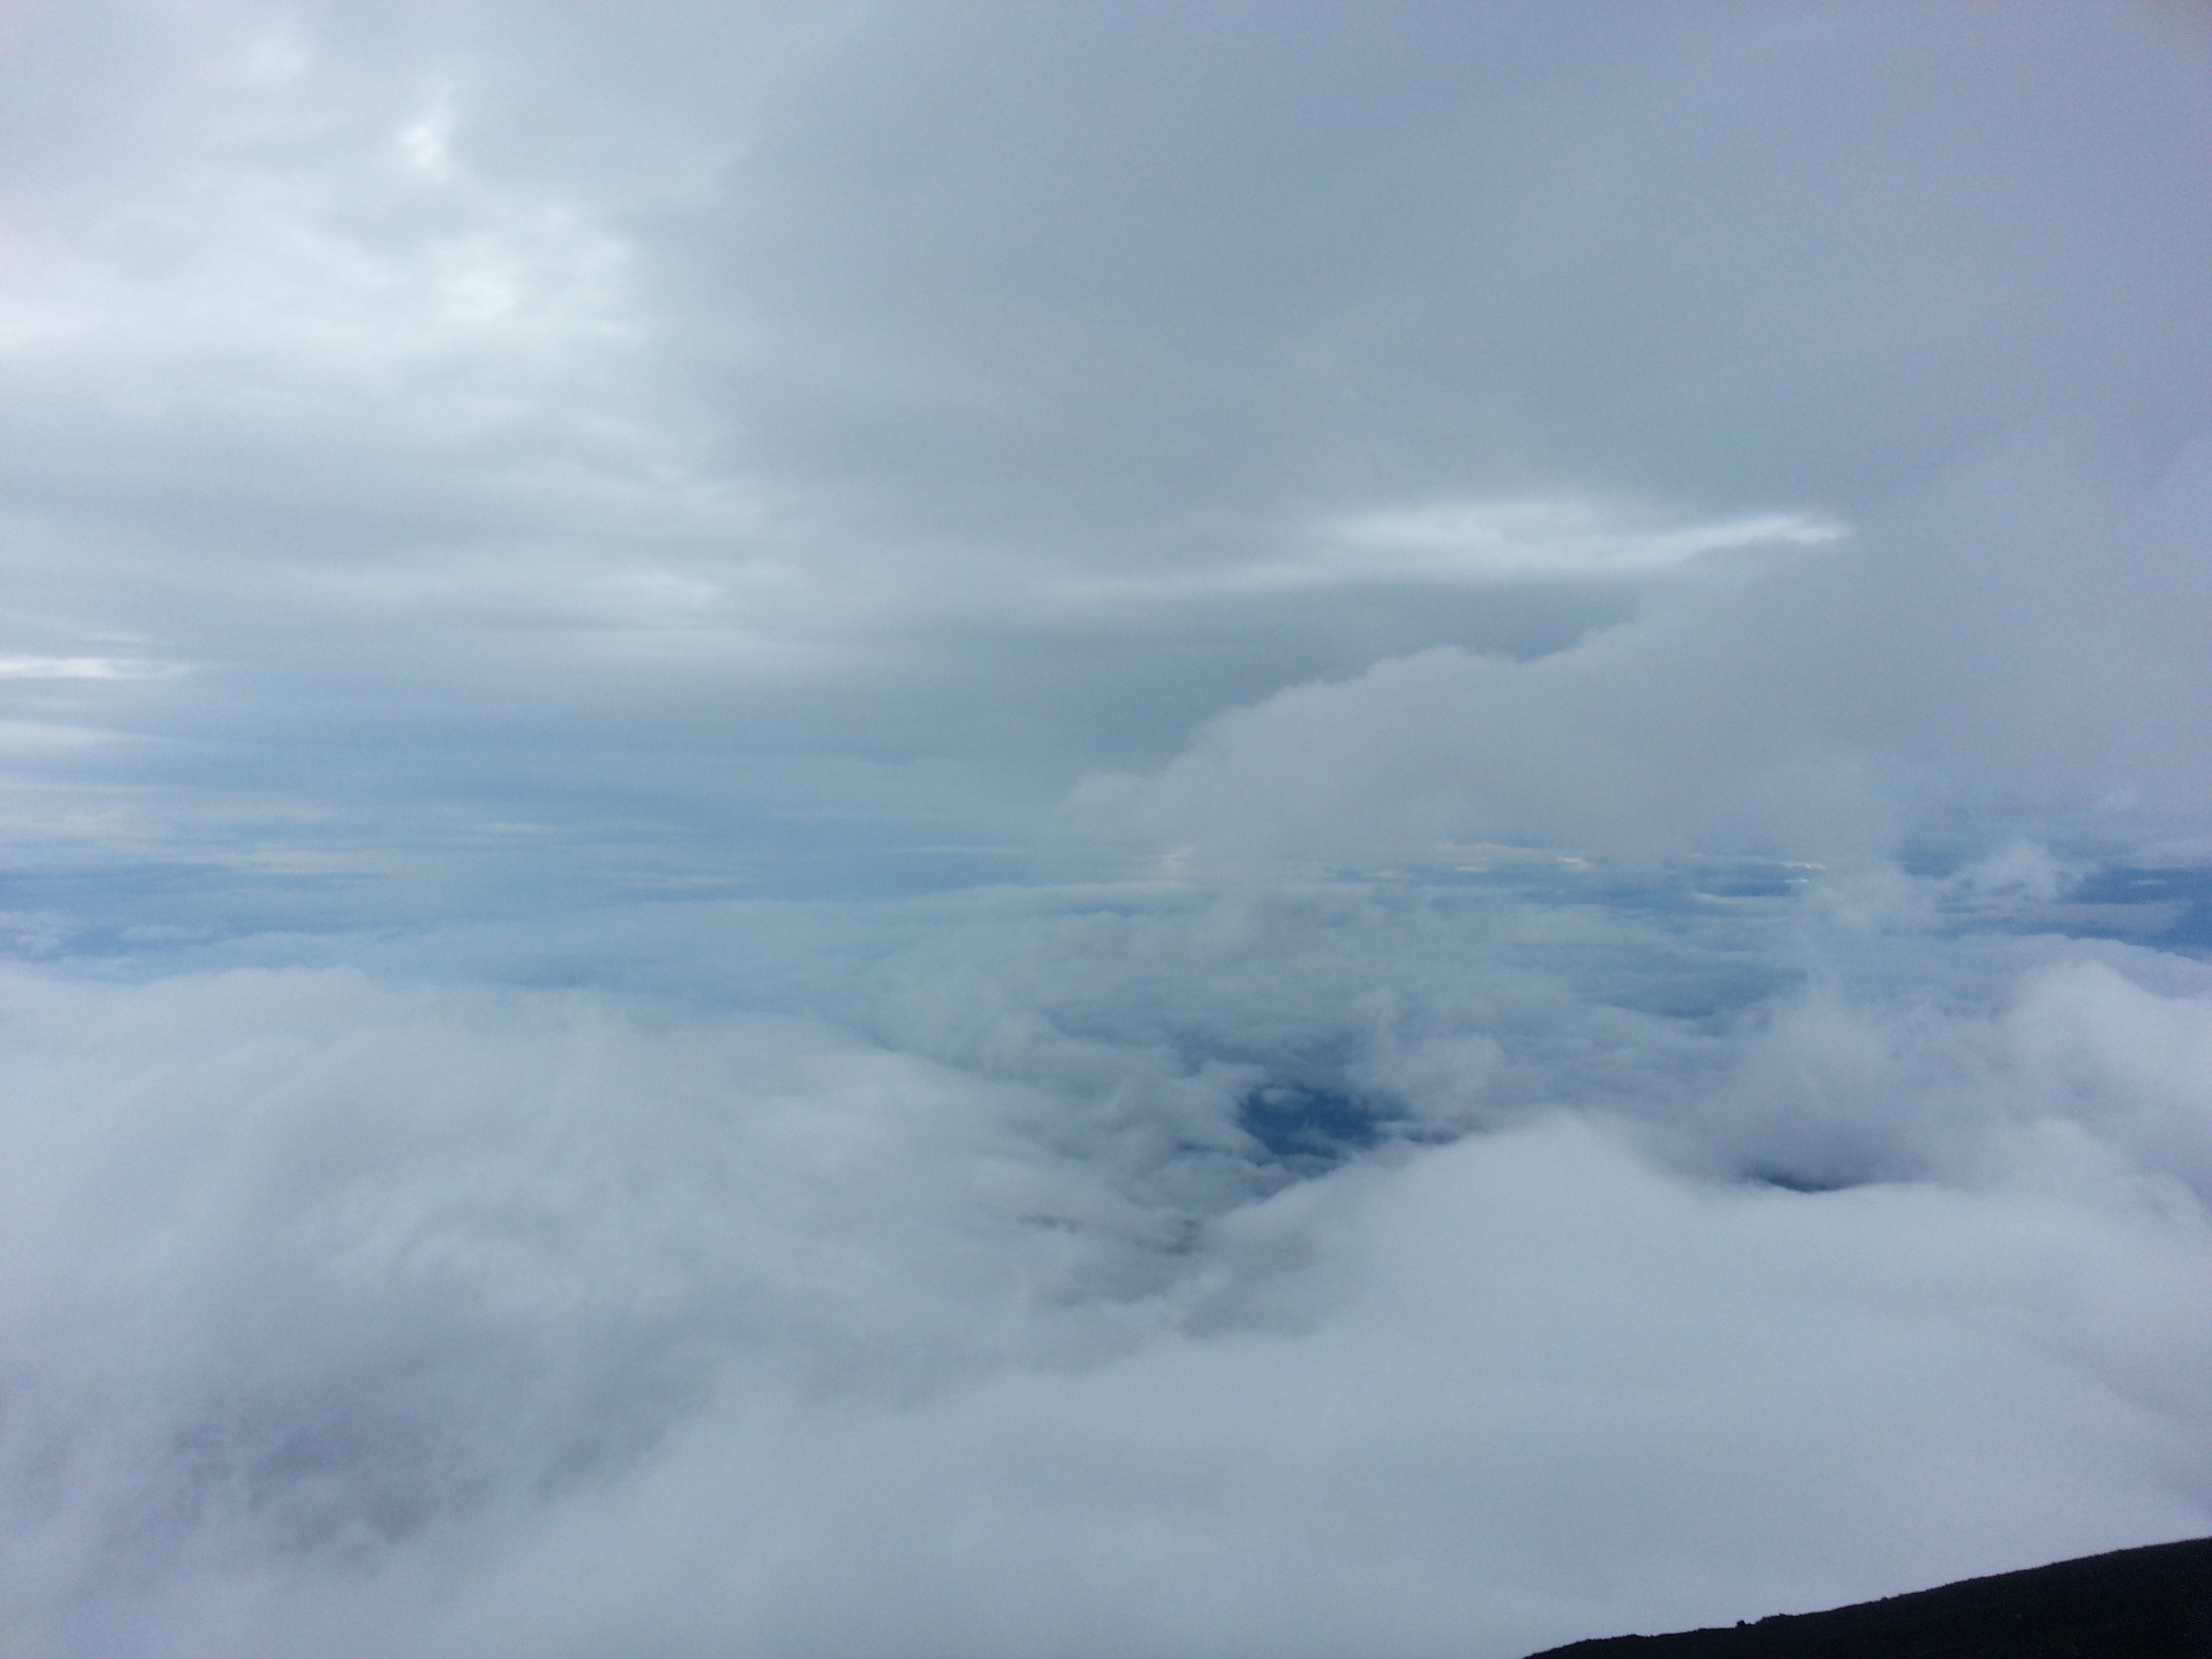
(746, 389)
(974, 829)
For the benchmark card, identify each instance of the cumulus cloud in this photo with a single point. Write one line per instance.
(1869, 699)
(1102, 1275)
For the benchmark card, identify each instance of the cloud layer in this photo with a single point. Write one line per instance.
(967, 828)
(834, 435)
(1106, 1274)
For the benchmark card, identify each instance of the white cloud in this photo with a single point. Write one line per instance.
(1506, 540)
(86, 668)
(1844, 706)
(591, 1316)
(1474, 543)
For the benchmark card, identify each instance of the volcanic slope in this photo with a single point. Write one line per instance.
(2149, 1603)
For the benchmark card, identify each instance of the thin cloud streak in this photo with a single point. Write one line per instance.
(1452, 543)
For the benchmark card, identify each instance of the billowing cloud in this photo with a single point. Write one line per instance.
(1103, 1275)
(1875, 698)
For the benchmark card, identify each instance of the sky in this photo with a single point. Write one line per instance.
(1254, 830)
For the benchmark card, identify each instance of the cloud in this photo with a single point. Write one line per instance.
(1554, 538)
(589, 1317)
(1452, 543)
(785, 429)
(973, 828)
(83, 668)
(1868, 700)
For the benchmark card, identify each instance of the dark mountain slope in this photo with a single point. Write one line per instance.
(2150, 1603)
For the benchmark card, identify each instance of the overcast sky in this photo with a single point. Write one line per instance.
(1236, 828)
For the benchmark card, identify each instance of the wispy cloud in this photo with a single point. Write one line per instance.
(89, 668)
(1474, 543)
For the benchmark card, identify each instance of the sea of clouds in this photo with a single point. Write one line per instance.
(868, 832)
(1410, 1267)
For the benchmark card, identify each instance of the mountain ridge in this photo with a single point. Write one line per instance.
(2150, 1602)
